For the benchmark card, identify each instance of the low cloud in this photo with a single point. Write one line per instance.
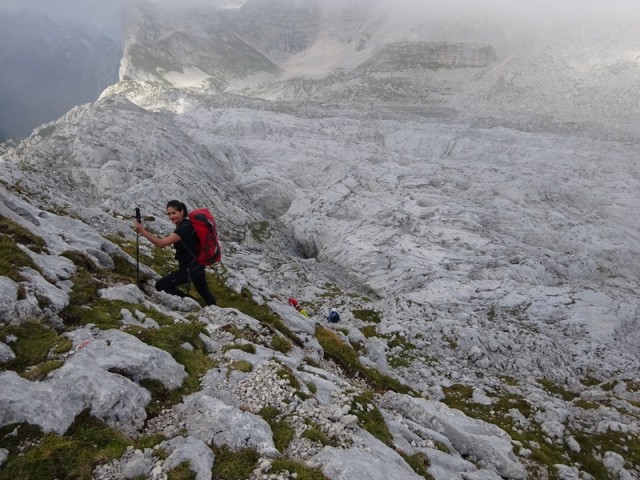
(103, 14)
(106, 14)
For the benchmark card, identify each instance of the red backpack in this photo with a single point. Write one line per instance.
(204, 225)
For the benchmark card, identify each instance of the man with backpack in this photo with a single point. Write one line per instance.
(191, 269)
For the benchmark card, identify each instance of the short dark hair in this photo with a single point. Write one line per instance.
(178, 205)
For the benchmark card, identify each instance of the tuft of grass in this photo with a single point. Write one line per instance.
(283, 433)
(556, 389)
(420, 463)
(397, 361)
(586, 404)
(243, 366)
(507, 380)
(182, 472)
(370, 418)
(365, 315)
(244, 347)
(149, 441)
(33, 344)
(281, 344)
(301, 471)
(369, 331)
(230, 465)
(12, 259)
(286, 373)
(589, 381)
(41, 371)
(21, 235)
(87, 443)
(315, 434)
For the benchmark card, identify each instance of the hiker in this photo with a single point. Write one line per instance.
(294, 303)
(185, 243)
(334, 316)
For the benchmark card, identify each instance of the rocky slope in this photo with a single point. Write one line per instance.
(485, 275)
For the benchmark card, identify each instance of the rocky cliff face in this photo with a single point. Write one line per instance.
(485, 275)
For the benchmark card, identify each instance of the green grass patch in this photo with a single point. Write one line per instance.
(419, 462)
(74, 455)
(594, 445)
(281, 344)
(586, 404)
(283, 433)
(21, 235)
(40, 372)
(182, 472)
(243, 366)
(345, 356)
(589, 381)
(401, 348)
(370, 418)
(33, 343)
(369, 331)
(12, 259)
(230, 465)
(365, 315)
(315, 434)
(286, 373)
(149, 441)
(556, 389)
(397, 361)
(633, 386)
(507, 380)
(244, 347)
(301, 471)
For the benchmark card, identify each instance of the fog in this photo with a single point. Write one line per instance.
(105, 14)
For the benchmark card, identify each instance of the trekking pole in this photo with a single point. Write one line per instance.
(139, 220)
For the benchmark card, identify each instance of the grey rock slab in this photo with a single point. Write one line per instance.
(55, 297)
(192, 450)
(127, 293)
(212, 421)
(359, 464)
(53, 267)
(53, 404)
(113, 349)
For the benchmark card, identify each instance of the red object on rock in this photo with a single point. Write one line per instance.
(293, 302)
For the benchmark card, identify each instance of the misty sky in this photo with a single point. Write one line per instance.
(105, 13)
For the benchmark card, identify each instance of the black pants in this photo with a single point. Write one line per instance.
(169, 284)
